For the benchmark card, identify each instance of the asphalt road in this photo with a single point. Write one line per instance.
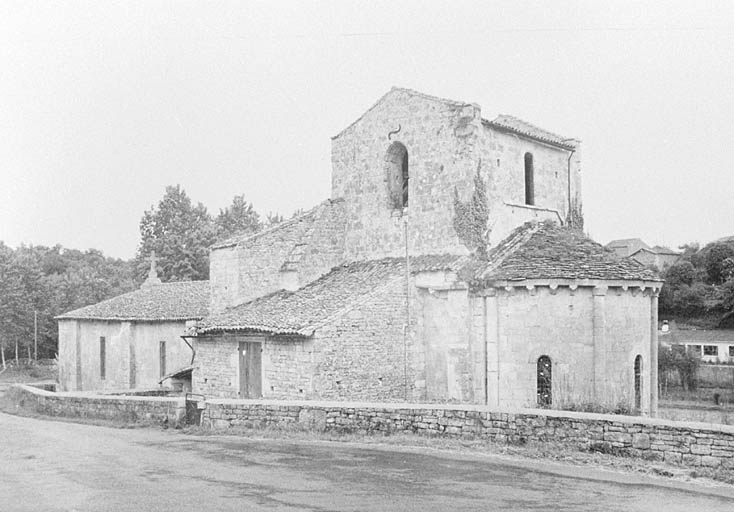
(55, 466)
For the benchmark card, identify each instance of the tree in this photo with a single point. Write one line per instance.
(679, 273)
(681, 362)
(180, 235)
(690, 301)
(40, 283)
(714, 256)
(238, 218)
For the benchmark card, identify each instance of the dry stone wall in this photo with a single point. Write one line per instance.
(129, 409)
(691, 444)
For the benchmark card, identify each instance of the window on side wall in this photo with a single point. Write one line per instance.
(710, 350)
(694, 349)
(162, 357)
(529, 180)
(102, 358)
(731, 350)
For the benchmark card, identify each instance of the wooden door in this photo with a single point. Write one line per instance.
(250, 356)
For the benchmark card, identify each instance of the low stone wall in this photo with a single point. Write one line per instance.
(688, 443)
(130, 409)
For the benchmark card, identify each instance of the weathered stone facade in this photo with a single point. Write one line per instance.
(335, 310)
(361, 355)
(446, 142)
(132, 353)
(292, 254)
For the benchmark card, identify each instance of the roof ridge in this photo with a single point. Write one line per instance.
(400, 89)
(281, 225)
(526, 129)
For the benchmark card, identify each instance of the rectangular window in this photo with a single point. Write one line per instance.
(694, 349)
(102, 358)
(731, 350)
(163, 358)
(710, 350)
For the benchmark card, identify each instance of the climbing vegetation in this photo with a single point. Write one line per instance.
(471, 217)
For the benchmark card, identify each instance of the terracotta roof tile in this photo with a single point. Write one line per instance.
(301, 311)
(520, 127)
(187, 300)
(549, 251)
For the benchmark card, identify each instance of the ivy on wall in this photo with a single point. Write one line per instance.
(471, 217)
(575, 217)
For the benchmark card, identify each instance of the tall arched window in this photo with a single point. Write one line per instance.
(529, 180)
(545, 389)
(396, 165)
(638, 382)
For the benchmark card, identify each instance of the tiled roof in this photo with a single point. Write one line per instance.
(323, 211)
(520, 127)
(549, 251)
(699, 336)
(302, 311)
(187, 300)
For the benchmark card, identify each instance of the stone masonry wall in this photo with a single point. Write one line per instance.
(446, 142)
(359, 355)
(561, 324)
(118, 408)
(216, 367)
(691, 444)
(362, 354)
(252, 269)
(310, 245)
(503, 159)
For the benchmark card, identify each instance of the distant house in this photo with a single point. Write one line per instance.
(638, 250)
(626, 247)
(131, 341)
(711, 345)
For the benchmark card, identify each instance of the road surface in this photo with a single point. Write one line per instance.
(55, 466)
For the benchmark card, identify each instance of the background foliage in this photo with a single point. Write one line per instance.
(54, 280)
(699, 287)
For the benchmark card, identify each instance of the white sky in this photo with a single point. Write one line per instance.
(103, 104)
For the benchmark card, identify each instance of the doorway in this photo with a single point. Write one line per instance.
(250, 357)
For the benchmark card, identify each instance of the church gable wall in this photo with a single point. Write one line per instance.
(438, 160)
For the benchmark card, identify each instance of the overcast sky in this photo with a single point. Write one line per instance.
(103, 104)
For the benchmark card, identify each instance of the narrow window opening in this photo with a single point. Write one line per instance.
(529, 180)
(545, 388)
(638, 382)
(162, 357)
(102, 358)
(397, 175)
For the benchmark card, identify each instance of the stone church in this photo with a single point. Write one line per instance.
(447, 266)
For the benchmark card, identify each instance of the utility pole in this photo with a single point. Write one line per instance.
(35, 335)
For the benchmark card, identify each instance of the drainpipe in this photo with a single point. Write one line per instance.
(193, 352)
(572, 151)
(407, 314)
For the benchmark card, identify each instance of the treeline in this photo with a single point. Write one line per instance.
(38, 283)
(699, 287)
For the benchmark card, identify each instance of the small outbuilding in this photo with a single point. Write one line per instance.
(131, 341)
